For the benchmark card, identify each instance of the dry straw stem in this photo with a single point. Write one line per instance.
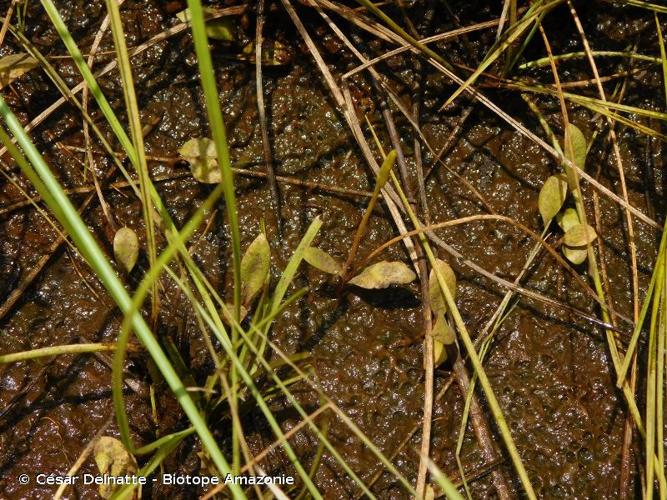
(428, 341)
(160, 37)
(472, 353)
(344, 102)
(266, 145)
(519, 127)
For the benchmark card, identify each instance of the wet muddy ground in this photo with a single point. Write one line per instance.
(549, 368)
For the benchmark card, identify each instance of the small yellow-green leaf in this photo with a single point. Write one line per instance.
(221, 28)
(439, 353)
(436, 298)
(15, 65)
(568, 219)
(273, 53)
(112, 459)
(201, 155)
(230, 310)
(442, 332)
(443, 336)
(126, 248)
(552, 196)
(575, 255)
(385, 169)
(255, 268)
(322, 260)
(384, 274)
(579, 235)
(576, 147)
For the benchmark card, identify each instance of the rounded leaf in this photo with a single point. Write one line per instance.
(575, 255)
(568, 219)
(579, 235)
(255, 266)
(201, 155)
(384, 274)
(443, 336)
(552, 196)
(112, 459)
(436, 297)
(322, 261)
(126, 248)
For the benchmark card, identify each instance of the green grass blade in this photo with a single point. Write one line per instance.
(90, 250)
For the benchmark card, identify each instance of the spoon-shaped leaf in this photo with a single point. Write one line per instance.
(579, 235)
(126, 248)
(436, 298)
(201, 155)
(568, 219)
(443, 336)
(575, 255)
(576, 147)
(255, 268)
(384, 274)
(575, 242)
(552, 196)
(322, 260)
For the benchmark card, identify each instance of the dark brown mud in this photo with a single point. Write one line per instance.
(549, 368)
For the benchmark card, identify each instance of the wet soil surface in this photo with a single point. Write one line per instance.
(550, 368)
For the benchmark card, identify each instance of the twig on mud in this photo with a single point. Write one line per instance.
(266, 145)
(428, 357)
(451, 140)
(86, 128)
(619, 164)
(344, 101)
(481, 429)
(6, 21)
(521, 129)
(160, 37)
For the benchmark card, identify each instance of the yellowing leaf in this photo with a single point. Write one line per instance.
(201, 155)
(575, 255)
(568, 219)
(575, 146)
(255, 268)
(126, 248)
(552, 196)
(229, 312)
(219, 29)
(113, 459)
(322, 260)
(442, 332)
(15, 65)
(579, 235)
(443, 336)
(436, 298)
(384, 274)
